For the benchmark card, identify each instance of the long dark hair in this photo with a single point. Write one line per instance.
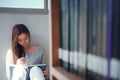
(17, 49)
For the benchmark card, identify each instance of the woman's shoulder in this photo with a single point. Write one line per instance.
(9, 52)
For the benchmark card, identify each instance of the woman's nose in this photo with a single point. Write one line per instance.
(24, 41)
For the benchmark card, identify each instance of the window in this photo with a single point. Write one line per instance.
(24, 6)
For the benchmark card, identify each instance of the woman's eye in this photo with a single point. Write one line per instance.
(23, 39)
(26, 38)
(19, 40)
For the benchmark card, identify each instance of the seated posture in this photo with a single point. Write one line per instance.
(22, 54)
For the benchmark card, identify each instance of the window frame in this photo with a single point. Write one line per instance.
(26, 10)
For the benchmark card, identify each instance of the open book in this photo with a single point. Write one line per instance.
(41, 66)
(27, 67)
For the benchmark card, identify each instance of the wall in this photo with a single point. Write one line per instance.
(39, 28)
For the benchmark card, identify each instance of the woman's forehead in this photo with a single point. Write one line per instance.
(22, 35)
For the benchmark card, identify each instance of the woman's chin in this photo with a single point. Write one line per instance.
(25, 46)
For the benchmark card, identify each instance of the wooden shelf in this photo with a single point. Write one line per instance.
(61, 74)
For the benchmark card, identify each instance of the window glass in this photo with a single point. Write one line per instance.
(24, 6)
(32, 4)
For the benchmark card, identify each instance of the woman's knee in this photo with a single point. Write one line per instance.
(36, 74)
(19, 73)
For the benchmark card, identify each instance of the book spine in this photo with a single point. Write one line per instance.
(115, 56)
(95, 42)
(82, 37)
(99, 28)
(104, 29)
(64, 33)
(71, 38)
(60, 34)
(109, 37)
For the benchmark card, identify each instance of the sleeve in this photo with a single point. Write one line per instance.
(42, 59)
(9, 61)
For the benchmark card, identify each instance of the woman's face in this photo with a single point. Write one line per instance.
(24, 40)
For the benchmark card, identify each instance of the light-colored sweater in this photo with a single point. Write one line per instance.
(35, 57)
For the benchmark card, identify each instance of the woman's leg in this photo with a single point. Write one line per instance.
(19, 73)
(36, 74)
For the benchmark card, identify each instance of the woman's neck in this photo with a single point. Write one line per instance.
(30, 48)
(27, 48)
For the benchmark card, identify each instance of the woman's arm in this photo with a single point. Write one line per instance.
(9, 61)
(45, 72)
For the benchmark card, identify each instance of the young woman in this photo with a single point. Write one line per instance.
(21, 48)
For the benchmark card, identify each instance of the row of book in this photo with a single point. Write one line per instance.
(89, 38)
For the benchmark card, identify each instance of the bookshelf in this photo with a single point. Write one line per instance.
(98, 41)
(57, 72)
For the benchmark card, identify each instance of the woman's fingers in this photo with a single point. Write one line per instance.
(21, 60)
(45, 72)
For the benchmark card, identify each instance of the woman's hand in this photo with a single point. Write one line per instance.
(45, 72)
(21, 60)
